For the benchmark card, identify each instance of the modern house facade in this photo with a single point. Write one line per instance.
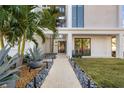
(88, 30)
(92, 31)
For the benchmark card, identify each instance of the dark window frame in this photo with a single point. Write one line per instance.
(82, 45)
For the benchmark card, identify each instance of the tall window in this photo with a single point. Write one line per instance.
(61, 20)
(83, 46)
(77, 16)
(114, 46)
(122, 15)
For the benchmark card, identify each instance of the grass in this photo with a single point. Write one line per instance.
(106, 72)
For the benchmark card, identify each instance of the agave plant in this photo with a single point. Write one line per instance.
(35, 60)
(7, 69)
(35, 54)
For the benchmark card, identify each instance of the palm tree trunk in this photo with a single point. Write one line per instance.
(19, 46)
(1, 41)
(23, 44)
(22, 48)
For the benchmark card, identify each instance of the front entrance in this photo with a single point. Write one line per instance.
(83, 46)
(61, 46)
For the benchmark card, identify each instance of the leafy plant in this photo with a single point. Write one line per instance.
(35, 54)
(7, 72)
(26, 58)
(20, 23)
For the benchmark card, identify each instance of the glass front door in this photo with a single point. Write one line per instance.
(83, 46)
(61, 47)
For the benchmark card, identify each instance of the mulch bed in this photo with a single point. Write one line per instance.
(26, 76)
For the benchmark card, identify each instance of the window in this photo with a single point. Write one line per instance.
(83, 46)
(61, 20)
(122, 15)
(77, 16)
(114, 46)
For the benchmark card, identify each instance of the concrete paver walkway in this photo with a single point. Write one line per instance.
(61, 75)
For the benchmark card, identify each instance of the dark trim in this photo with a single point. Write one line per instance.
(65, 45)
(83, 38)
(111, 47)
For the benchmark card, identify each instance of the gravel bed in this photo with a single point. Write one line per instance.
(83, 78)
(40, 77)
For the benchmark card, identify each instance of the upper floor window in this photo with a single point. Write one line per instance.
(122, 15)
(61, 20)
(77, 16)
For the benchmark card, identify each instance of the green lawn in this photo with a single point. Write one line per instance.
(106, 72)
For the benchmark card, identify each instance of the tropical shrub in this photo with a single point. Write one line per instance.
(26, 58)
(35, 54)
(8, 73)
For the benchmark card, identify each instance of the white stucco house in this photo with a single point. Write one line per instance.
(90, 30)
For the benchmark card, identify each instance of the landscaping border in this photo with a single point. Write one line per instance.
(40, 77)
(83, 78)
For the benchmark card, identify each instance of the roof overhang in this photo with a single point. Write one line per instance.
(89, 31)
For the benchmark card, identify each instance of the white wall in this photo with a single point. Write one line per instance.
(69, 15)
(100, 45)
(14, 49)
(120, 46)
(69, 45)
(55, 46)
(45, 47)
(101, 16)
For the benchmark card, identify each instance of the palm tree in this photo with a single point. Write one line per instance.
(51, 14)
(3, 25)
(20, 24)
(9, 29)
(31, 22)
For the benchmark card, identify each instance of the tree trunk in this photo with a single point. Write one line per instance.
(19, 46)
(23, 44)
(22, 48)
(1, 41)
(19, 53)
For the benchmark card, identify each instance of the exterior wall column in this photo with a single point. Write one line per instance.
(69, 45)
(69, 16)
(120, 46)
(120, 16)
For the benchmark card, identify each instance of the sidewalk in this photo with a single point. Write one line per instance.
(61, 75)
